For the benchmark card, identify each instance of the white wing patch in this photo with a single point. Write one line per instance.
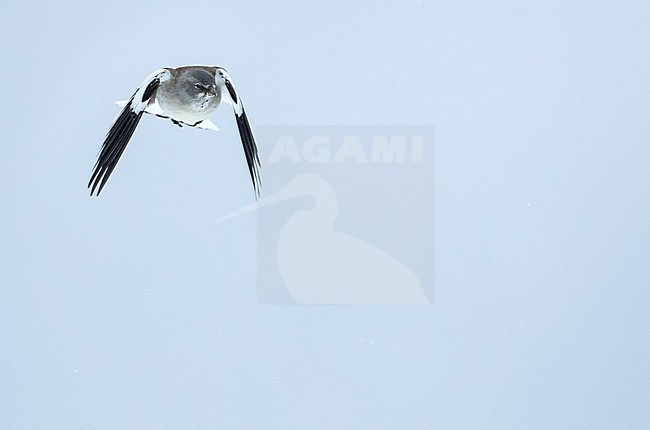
(206, 124)
(138, 105)
(154, 108)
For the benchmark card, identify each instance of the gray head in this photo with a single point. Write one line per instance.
(196, 83)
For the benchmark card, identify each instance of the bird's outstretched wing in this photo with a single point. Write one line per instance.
(122, 129)
(247, 139)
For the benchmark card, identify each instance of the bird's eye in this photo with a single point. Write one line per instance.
(198, 86)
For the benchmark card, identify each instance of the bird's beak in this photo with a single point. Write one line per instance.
(212, 90)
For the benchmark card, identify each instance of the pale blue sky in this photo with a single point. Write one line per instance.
(137, 310)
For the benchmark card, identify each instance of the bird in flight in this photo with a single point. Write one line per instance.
(186, 95)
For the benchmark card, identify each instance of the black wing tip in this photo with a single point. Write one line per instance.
(113, 147)
(250, 150)
(93, 185)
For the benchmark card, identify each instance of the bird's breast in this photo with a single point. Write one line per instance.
(189, 110)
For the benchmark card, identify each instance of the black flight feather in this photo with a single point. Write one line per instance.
(114, 144)
(250, 149)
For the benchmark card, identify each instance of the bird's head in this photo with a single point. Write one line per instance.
(199, 83)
